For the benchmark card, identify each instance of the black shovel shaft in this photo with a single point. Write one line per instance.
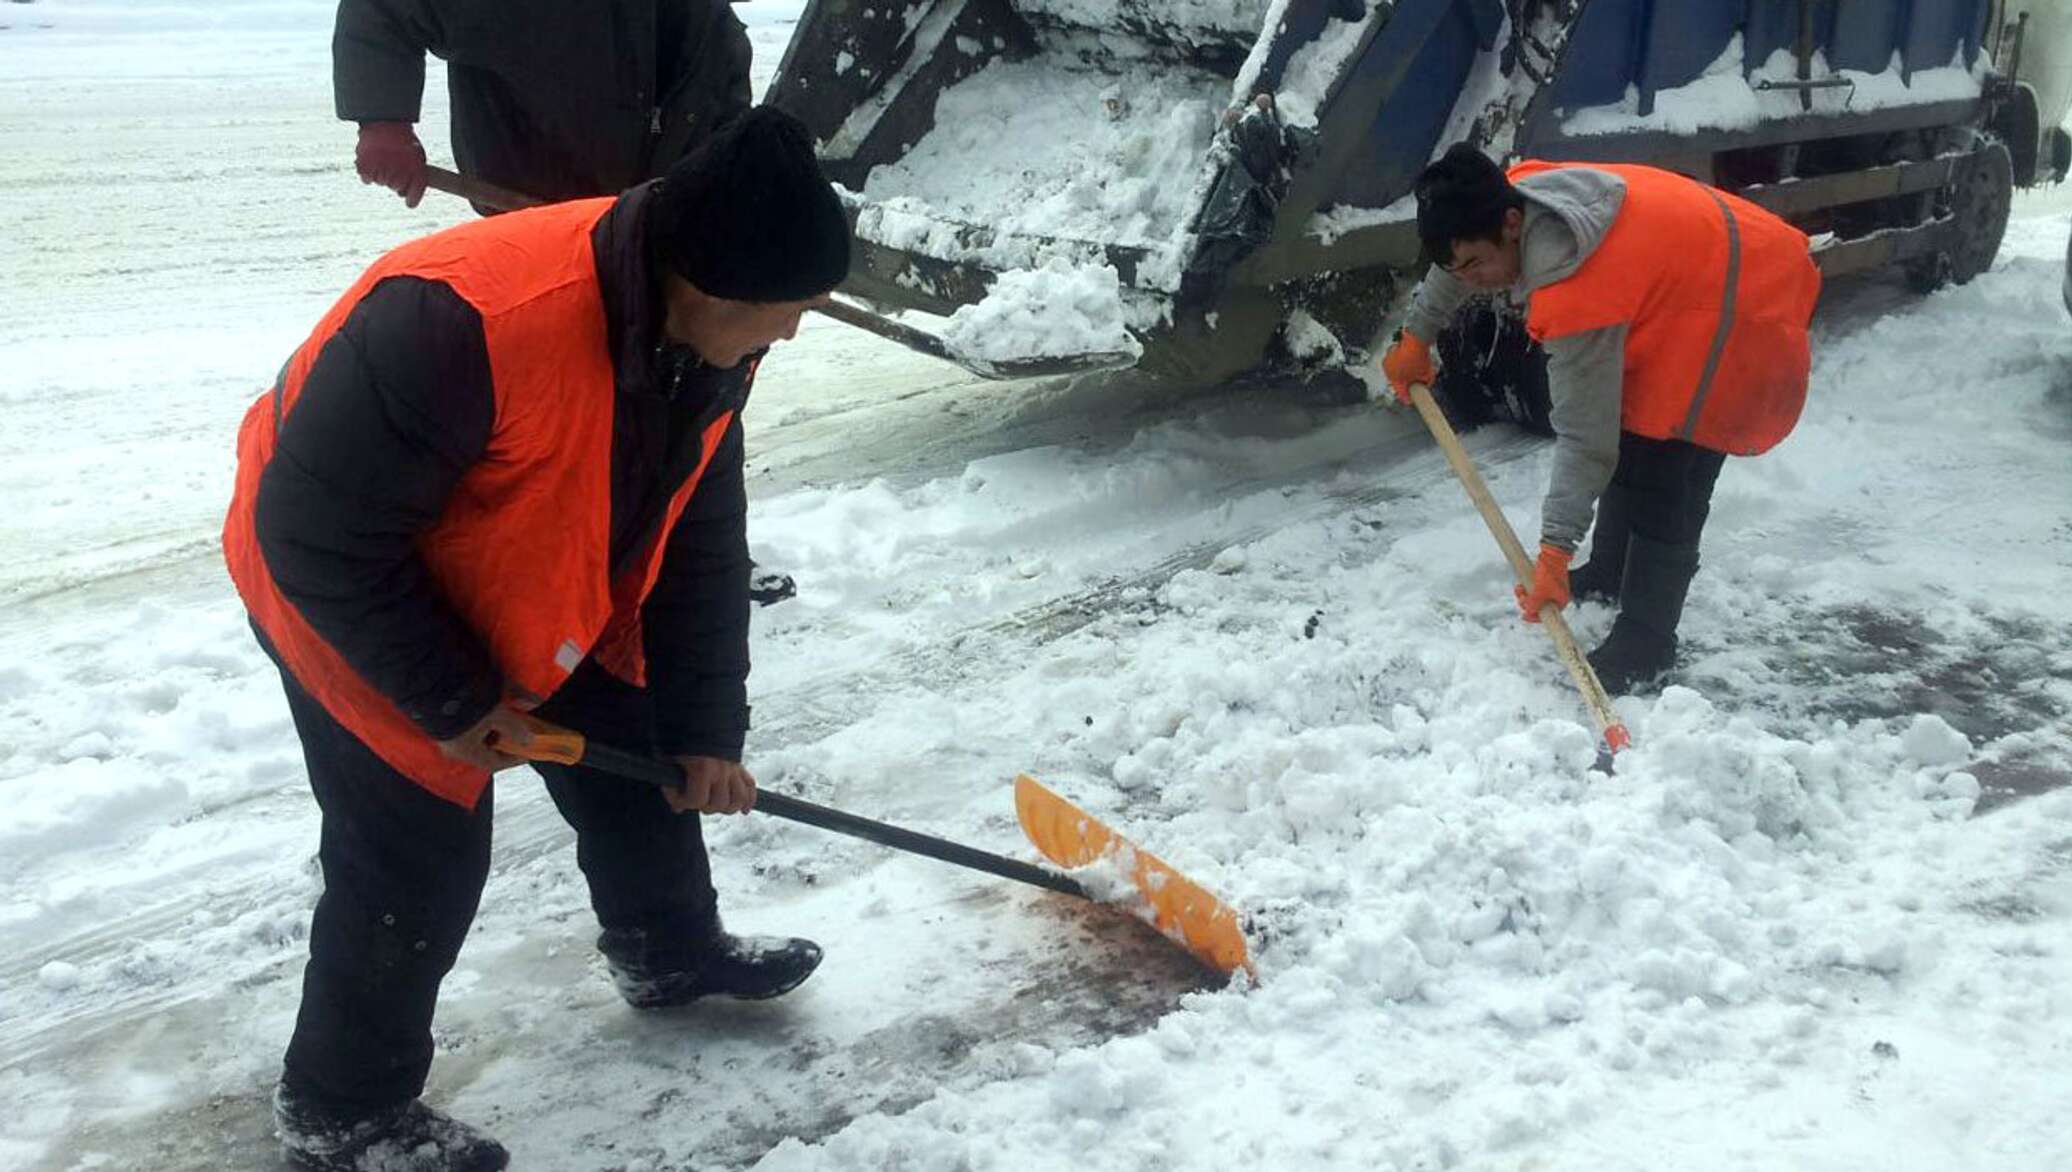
(662, 773)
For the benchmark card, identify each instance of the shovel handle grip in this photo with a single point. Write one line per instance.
(553, 743)
(550, 742)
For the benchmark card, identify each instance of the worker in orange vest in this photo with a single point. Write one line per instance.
(1674, 319)
(504, 474)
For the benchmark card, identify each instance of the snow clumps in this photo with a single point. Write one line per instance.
(1059, 309)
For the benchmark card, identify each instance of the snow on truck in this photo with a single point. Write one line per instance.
(1207, 188)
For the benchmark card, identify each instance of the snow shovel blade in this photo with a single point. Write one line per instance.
(1049, 366)
(1186, 913)
(936, 346)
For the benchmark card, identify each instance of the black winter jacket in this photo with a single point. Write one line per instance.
(396, 408)
(557, 99)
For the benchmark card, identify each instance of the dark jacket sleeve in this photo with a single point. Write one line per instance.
(377, 59)
(696, 618)
(397, 406)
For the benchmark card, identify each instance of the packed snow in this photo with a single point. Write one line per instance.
(1820, 917)
(1328, 226)
(1727, 95)
(1316, 66)
(1058, 309)
(1039, 149)
(1178, 18)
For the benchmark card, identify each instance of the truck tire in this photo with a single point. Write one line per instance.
(1978, 204)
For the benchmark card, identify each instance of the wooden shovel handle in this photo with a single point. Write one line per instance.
(476, 191)
(1608, 723)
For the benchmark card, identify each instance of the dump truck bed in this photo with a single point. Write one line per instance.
(1237, 172)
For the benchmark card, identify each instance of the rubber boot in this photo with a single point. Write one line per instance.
(408, 1138)
(1642, 644)
(657, 969)
(1600, 578)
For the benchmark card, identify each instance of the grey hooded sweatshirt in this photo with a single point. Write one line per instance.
(1568, 213)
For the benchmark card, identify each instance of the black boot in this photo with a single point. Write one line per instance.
(409, 1138)
(659, 969)
(1642, 644)
(1599, 579)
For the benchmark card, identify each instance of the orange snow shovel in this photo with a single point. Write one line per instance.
(1186, 914)
(1609, 726)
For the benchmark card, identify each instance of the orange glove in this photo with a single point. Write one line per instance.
(1408, 361)
(1549, 582)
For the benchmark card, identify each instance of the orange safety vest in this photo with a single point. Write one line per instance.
(1716, 294)
(522, 551)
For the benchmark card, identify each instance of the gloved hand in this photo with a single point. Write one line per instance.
(1408, 361)
(389, 154)
(712, 786)
(1549, 582)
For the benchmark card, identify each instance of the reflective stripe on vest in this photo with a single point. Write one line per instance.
(1715, 295)
(1726, 319)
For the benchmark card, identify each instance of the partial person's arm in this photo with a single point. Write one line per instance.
(1432, 306)
(695, 621)
(377, 60)
(1434, 303)
(377, 77)
(396, 408)
(1586, 378)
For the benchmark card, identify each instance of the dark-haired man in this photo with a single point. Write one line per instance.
(504, 474)
(1674, 318)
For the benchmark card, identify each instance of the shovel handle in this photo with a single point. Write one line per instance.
(1608, 723)
(564, 746)
(476, 191)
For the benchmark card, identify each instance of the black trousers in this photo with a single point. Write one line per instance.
(1668, 486)
(403, 875)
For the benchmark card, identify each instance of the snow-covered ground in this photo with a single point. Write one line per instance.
(1820, 919)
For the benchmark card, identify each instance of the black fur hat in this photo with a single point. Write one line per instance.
(1463, 196)
(749, 216)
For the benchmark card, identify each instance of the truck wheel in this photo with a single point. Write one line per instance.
(1978, 204)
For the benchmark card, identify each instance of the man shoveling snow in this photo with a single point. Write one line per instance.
(1675, 322)
(505, 474)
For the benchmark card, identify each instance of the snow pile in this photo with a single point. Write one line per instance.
(1228, 17)
(1508, 958)
(1039, 149)
(1784, 931)
(1306, 82)
(1058, 309)
(1724, 98)
(1309, 341)
(1328, 226)
(1876, 91)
